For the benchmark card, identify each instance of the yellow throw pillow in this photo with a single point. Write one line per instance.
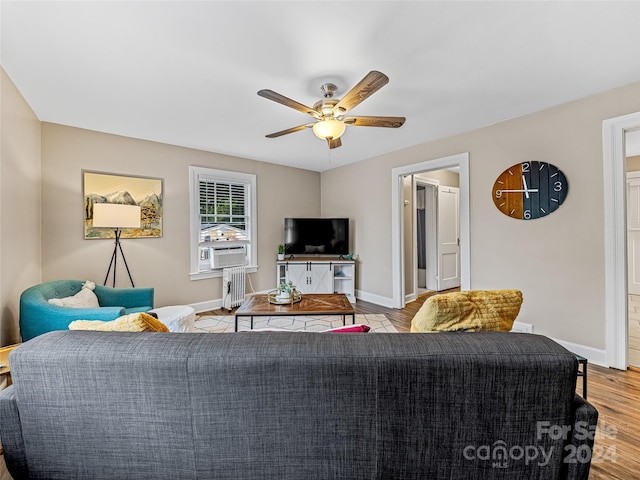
(471, 311)
(134, 322)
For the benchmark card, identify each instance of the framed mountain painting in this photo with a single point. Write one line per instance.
(145, 192)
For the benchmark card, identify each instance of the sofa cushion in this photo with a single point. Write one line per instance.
(134, 322)
(471, 311)
(85, 298)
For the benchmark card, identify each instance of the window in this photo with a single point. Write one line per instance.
(223, 221)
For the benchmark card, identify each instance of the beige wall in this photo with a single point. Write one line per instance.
(446, 178)
(557, 261)
(19, 204)
(159, 262)
(633, 163)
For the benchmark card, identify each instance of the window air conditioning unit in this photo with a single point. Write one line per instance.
(228, 256)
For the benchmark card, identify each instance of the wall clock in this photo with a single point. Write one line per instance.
(530, 190)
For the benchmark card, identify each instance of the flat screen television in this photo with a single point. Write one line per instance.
(316, 236)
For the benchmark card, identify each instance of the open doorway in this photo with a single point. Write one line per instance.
(431, 232)
(632, 153)
(615, 235)
(398, 175)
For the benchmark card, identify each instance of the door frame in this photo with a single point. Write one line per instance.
(461, 161)
(431, 185)
(615, 237)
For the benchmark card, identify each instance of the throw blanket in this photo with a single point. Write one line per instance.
(471, 311)
(133, 322)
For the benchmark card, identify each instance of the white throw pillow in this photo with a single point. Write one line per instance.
(85, 298)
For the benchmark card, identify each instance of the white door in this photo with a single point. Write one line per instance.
(633, 232)
(448, 238)
(426, 277)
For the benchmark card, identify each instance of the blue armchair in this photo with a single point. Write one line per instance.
(38, 316)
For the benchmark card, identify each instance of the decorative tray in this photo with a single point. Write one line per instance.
(273, 298)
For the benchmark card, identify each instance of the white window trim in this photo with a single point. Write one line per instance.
(194, 206)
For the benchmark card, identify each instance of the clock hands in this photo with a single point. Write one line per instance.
(526, 189)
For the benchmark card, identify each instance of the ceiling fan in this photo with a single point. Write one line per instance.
(329, 113)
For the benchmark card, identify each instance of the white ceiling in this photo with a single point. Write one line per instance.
(187, 73)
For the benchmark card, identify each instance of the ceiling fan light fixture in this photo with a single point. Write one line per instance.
(329, 128)
(330, 113)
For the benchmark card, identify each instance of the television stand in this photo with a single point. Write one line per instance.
(319, 275)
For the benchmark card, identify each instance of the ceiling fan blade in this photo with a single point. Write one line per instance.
(289, 130)
(370, 84)
(287, 102)
(334, 142)
(389, 122)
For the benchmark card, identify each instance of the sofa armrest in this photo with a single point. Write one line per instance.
(583, 430)
(65, 315)
(124, 297)
(39, 318)
(11, 434)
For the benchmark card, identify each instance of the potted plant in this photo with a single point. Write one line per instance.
(281, 252)
(286, 291)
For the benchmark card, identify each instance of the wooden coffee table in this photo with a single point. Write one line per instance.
(311, 304)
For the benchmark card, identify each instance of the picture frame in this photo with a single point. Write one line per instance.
(147, 192)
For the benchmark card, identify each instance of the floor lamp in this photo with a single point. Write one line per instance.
(116, 216)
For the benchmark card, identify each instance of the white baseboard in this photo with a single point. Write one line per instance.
(593, 355)
(206, 306)
(410, 298)
(377, 299)
(216, 304)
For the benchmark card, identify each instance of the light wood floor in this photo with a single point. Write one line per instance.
(614, 393)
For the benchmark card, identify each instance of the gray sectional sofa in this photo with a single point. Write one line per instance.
(298, 406)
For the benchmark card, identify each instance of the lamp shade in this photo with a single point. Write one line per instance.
(116, 215)
(329, 128)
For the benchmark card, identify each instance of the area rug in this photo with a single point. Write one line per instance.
(226, 323)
